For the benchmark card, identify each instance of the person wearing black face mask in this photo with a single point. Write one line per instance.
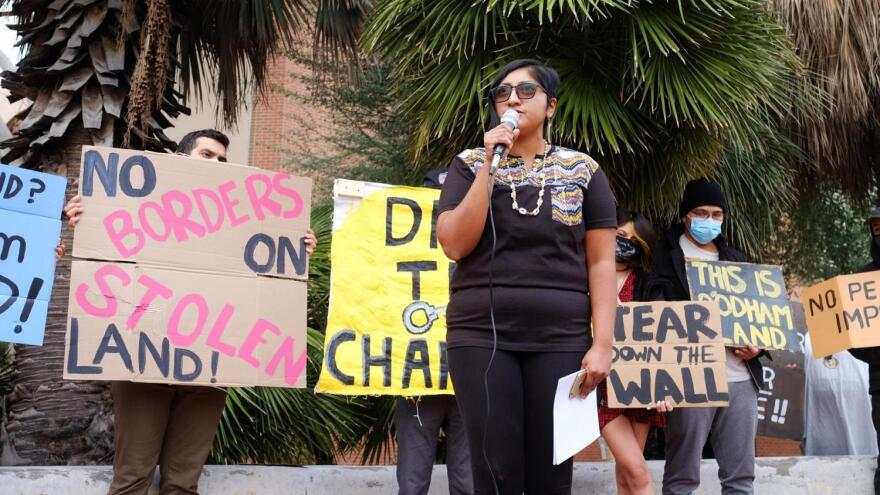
(871, 355)
(626, 430)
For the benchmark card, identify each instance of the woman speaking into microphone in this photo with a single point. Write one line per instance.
(534, 245)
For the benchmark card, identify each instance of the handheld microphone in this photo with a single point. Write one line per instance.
(511, 120)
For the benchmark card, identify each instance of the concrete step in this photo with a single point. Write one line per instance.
(775, 475)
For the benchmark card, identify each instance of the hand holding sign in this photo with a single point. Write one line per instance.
(663, 406)
(311, 242)
(73, 210)
(747, 353)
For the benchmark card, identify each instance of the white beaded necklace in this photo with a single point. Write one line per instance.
(543, 177)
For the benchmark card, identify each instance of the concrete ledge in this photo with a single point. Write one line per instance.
(775, 475)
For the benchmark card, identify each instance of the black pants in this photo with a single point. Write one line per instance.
(875, 415)
(519, 430)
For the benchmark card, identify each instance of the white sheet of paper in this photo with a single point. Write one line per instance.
(575, 421)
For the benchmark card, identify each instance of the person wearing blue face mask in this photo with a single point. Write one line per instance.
(730, 430)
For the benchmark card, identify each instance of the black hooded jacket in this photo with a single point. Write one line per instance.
(668, 279)
(871, 355)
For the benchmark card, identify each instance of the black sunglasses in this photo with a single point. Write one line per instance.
(524, 91)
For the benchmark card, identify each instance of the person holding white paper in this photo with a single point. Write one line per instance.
(529, 281)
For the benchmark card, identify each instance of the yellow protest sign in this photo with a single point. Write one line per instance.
(386, 328)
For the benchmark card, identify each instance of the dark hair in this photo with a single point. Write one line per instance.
(547, 77)
(645, 236)
(188, 142)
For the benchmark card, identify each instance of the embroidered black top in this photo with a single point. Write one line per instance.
(539, 273)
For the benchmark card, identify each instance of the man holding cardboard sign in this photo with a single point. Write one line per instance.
(172, 301)
(732, 429)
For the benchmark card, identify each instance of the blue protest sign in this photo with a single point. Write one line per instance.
(30, 226)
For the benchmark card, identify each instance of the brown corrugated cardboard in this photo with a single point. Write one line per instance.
(193, 273)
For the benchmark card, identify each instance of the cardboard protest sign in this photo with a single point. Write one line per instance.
(843, 313)
(386, 329)
(30, 227)
(753, 301)
(668, 350)
(781, 402)
(191, 271)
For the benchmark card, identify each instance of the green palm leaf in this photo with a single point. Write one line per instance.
(659, 92)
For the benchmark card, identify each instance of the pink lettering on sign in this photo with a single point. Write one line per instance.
(297, 208)
(261, 200)
(211, 224)
(148, 227)
(110, 305)
(293, 368)
(254, 339)
(181, 215)
(230, 204)
(186, 326)
(174, 334)
(214, 338)
(118, 234)
(178, 218)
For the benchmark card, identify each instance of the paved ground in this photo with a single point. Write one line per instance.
(775, 476)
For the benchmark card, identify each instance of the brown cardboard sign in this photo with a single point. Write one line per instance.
(193, 272)
(843, 313)
(668, 351)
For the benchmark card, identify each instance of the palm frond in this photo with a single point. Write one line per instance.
(338, 26)
(658, 92)
(839, 43)
(232, 43)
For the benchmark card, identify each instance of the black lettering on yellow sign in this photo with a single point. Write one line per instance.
(407, 211)
(377, 360)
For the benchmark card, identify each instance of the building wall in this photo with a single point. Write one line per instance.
(287, 127)
(206, 116)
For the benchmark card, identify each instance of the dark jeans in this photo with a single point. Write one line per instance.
(519, 429)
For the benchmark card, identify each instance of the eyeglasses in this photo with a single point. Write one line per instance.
(524, 91)
(705, 214)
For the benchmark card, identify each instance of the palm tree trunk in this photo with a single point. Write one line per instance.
(50, 420)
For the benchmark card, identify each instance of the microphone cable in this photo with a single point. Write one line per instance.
(489, 183)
